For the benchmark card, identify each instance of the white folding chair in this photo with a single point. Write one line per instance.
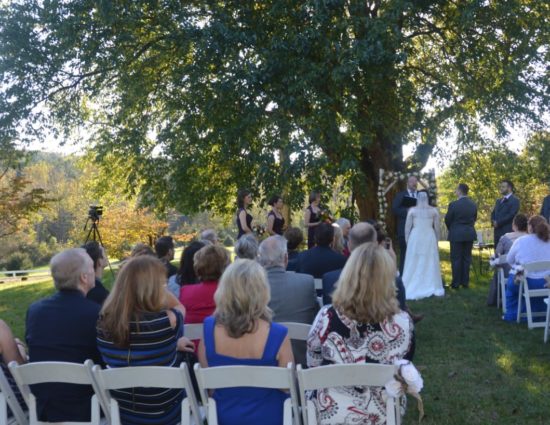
(212, 378)
(150, 377)
(8, 399)
(501, 284)
(193, 330)
(318, 284)
(345, 375)
(547, 324)
(525, 292)
(49, 372)
(297, 331)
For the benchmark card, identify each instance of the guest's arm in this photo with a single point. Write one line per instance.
(173, 302)
(285, 356)
(511, 258)
(201, 354)
(11, 348)
(314, 356)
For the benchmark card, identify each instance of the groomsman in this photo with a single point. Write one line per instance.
(545, 210)
(504, 211)
(400, 211)
(460, 220)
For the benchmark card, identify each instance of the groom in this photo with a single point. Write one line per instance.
(460, 219)
(400, 211)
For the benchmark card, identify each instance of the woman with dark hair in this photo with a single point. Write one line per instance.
(312, 217)
(186, 273)
(244, 219)
(137, 327)
(275, 219)
(97, 253)
(295, 237)
(519, 229)
(531, 248)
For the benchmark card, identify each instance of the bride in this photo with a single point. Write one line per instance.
(422, 273)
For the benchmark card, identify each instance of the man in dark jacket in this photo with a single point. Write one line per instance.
(63, 328)
(460, 220)
(504, 211)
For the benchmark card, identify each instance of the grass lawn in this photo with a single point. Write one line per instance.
(477, 369)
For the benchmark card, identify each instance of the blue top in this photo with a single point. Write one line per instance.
(152, 342)
(247, 405)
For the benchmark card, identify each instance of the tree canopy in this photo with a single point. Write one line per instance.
(187, 101)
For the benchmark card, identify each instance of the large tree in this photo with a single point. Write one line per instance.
(188, 100)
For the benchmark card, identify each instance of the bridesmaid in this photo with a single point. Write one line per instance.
(312, 217)
(275, 219)
(244, 219)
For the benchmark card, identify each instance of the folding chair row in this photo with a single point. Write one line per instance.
(9, 400)
(527, 294)
(105, 380)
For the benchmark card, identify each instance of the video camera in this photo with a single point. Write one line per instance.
(95, 212)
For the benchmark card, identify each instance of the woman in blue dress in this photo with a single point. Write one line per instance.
(532, 248)
(241, 333)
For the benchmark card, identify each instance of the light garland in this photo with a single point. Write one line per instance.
(387, 179)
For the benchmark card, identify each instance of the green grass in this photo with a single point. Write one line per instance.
(477, 369)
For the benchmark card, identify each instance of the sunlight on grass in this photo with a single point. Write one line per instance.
(506, 362)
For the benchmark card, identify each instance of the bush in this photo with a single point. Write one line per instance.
(18, 261)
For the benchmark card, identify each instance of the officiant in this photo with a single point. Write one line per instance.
(400, 207)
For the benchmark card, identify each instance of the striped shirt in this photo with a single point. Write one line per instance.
(153, 342)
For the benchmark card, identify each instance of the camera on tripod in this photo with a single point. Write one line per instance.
(95, 212)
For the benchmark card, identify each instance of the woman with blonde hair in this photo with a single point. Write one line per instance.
(363, 324)
(241, 333)
(140, 324)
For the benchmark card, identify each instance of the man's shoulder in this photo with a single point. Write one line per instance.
(299, 277)
(334, 274)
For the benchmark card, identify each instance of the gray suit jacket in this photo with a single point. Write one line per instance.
(293, 299)
(460, 220)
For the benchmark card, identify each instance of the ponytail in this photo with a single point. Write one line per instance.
(539, 227)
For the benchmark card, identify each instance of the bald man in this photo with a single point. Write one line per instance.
(63, 328)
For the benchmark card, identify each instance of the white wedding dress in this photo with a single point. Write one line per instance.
(422, 271)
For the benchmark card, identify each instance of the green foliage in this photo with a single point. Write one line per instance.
(484, 168)
(185, 102)
(18, 261)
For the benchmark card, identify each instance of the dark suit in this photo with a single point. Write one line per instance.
(293, 258)
(63, 328)
(503, 213)
(460, 220)
(319, 260)
(293, 299)
(329, 285)
(545, 210)
(98, 293)
(401, 213)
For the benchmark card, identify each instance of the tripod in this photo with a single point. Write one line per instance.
(94, 235)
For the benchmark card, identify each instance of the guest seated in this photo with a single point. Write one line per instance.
(142, 249)
(97, 253)
(11, 349)
(532, 248)
(186, 273)
(209, 235)
(241, 333)
(247, 247)
(136, 328)
(164, 248)
(345, 225)
(294, 237)
(63, 328)
(519, 229)
(363, 324)
(293, 297)
(338, 240)
(321, 259)
(198, 300)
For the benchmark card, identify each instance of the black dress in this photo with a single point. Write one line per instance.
(313, 218)
(248, 222)
(278, 223)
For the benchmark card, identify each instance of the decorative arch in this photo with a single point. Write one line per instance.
(388, 179)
